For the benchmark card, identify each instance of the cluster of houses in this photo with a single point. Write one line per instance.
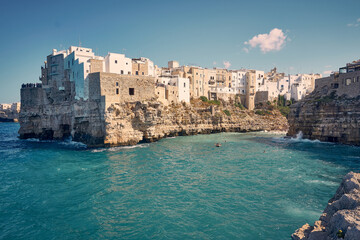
(171, 84)
(9, 112)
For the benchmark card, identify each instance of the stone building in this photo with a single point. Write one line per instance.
(112, 88)
(345, 82)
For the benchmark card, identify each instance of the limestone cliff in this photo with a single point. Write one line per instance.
(132, 122)
(341, 217)
(327, 117)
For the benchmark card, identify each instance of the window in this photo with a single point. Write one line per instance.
(184, 84)
(115, 61)
(126, 63)
(348, 81)
(117, 84)
(68, 64)
(117, 91)
(137, 72)
(122, 71)
(142, 73)
(131, 91)
(129, 73)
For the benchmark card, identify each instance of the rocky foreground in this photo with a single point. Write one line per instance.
(147, 121)
(341, 217)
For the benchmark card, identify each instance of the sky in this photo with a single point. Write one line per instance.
(294, 36)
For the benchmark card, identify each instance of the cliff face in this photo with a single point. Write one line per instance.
(326, 117)
(130, 123)
(341, 217)
(134, 122)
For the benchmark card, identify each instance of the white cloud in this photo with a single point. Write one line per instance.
(327, 66)
(356, 24)
(273, 41)
(245, 49)
(227, 64)
(327, 72)
(291, 68)
(214, 63)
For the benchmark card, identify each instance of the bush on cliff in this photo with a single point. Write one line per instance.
(216, 102)
(284, 110)
(239, 105)
(227, 112)
(262, 112)
(204, 99)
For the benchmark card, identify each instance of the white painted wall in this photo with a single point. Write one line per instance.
(118, 63)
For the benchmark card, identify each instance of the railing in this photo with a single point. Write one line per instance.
(31, 85)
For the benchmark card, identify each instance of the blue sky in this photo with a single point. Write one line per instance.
(319, 35)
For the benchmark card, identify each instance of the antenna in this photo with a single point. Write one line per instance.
(79, 41)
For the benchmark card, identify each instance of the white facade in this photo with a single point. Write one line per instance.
(240, 81)
(182, 84)
(118, 63)
(259, 79)
(78, 64)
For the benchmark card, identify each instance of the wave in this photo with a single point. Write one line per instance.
(327, 183)
(115, 149)
(69, 143)
(297, 138)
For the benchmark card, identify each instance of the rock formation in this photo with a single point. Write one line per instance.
(325, 116)
(142, 121)
(341, 217)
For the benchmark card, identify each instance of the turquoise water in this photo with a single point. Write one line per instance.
(177, 188)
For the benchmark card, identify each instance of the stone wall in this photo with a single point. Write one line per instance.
(115, 88)
(261, 97)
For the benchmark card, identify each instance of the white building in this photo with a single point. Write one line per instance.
(182, 86)
(240, 81)
(118, 63)
(77, 63)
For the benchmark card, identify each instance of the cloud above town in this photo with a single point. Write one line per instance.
(327, 72)
(267, 42)
(227, 64)
(355, 24)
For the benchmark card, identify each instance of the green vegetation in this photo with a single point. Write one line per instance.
(214, 102)
(204, 99)
(327, 98)
(262, 112)
(283, 105)
(284, 110)
(227, 112)
(239, 105)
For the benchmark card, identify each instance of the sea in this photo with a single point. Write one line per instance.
(255, 186)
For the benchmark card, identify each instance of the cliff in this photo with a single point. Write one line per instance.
(341, 217)
(325, 116)
(141, 121)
